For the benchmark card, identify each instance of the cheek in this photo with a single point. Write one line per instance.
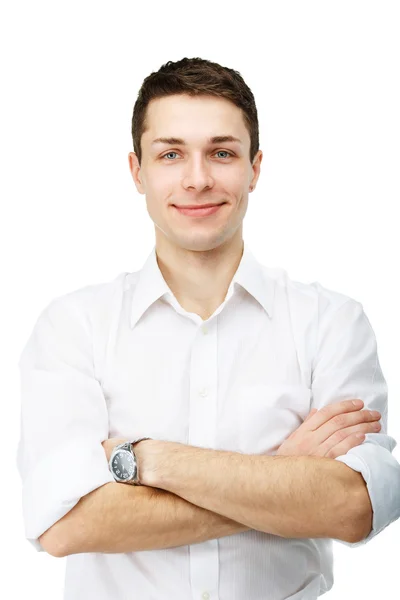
(158, 176)
(160, 189)
(236, 181)
(163, 186)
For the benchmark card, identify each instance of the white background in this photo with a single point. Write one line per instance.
(325, 76)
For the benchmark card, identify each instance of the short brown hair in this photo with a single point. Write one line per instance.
(195, 76)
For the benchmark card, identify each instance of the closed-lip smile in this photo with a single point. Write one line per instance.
(193, 206)
(199, 211)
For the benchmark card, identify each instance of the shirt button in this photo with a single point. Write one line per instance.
(205, 330)
(203, 392)
(205, 596)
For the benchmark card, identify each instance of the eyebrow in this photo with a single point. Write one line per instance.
(217, 139)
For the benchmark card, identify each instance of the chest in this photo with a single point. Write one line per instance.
(241, 389)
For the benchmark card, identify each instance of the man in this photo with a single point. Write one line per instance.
(167, 447)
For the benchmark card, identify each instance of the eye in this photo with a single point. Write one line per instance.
(164, 155)
(224, 151)
(218, 152)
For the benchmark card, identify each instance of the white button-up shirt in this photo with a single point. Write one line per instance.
(124, 359)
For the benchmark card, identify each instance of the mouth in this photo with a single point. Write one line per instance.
(200, 211)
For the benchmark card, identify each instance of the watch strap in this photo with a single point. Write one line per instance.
(130, 445)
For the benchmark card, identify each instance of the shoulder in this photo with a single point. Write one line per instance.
(84, 305)
(90, 295)
(312, 296)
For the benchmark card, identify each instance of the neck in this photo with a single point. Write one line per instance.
(199, 279)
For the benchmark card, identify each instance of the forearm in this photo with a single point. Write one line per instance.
(121, 518)
(289, 496)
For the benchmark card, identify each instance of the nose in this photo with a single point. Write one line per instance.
(197, 175)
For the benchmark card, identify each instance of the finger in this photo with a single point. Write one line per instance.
(326, 413)
(350, 442)
(310, 414)
(340, 426)
(340, 436)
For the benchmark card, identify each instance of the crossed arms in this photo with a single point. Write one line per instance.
(199, 494)
(224, 492)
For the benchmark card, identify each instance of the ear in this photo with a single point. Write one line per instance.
(256, 165)
(134, 168)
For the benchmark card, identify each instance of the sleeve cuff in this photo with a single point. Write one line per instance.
(381, 472)
(56, 484)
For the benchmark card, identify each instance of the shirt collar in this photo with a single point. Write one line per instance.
(250, 274)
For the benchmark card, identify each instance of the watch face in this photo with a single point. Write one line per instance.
(123, 465)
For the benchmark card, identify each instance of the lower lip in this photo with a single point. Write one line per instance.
(199, 212)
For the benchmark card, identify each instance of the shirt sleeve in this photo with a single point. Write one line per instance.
(63, 419)
(347, 367)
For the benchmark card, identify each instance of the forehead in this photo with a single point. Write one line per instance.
(193, 119)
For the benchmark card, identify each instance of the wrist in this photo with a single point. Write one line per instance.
(142, 463)
(154, 458)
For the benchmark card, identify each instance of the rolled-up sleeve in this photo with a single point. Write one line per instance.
(347, 367)
(64, 418)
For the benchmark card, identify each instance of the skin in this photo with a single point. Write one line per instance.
(198, 257)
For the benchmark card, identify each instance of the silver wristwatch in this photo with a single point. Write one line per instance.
(123, 463)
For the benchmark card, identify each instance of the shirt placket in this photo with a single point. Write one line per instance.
(204, 558)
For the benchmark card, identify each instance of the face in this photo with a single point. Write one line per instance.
(195, 170)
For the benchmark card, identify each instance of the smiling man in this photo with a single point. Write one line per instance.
(202, 412)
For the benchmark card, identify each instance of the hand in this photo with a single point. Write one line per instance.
(331, 432)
